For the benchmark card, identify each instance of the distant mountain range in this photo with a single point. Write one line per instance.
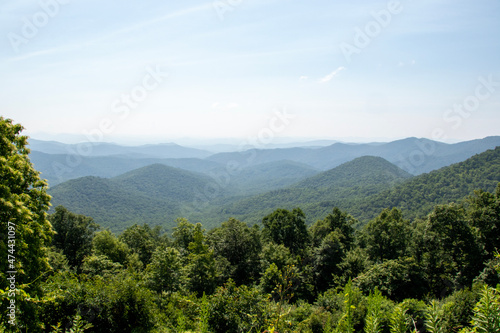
(90, 149)
(413, 155)
(59, 162)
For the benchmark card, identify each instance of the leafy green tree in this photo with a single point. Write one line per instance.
(236, 309)
(387, 236)
(287, 228)
(100, 265)
(484, 211)
(115, 303)
(24, 203)
(201, 265)
(74, 234)
(355, 263)
(339, 222)
(143, 240)
(241, 246)
(25, 231)
(183, 234)
(277, 254)
(327, 258)
(449, 252)
(164, 273)
(397, 279)
(106, 243)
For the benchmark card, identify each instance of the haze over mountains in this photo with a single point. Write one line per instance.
(155, 184)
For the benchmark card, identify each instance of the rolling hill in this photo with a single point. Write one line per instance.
(417, 196)
(359, 178)
(154, 194)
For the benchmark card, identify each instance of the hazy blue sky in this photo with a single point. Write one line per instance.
(160, 70)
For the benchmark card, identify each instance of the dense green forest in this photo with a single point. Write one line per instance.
(433, 271)
(158, 194)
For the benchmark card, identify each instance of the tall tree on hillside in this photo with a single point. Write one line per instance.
(332, 238)
(201, 268)
(241, 246)
(387, 236)
(143, 240)
(74, 234)
(484, 211)
(448, 249)
(337, 221)
(287, 228)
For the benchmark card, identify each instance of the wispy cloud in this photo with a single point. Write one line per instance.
(330, 76)
(112, 34)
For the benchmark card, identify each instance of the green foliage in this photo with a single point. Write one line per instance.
(201, 270)
(78, 325)
(451, 255)
(73, 234)
(397, 279)
(25, 230)
(486, 316)
(418, 196)
(339, 222)
(347, 321)
(143, 240)
(183, 234)
(107, 244)
(23, 211)
(287, 228)
(434, 317)
(240, 246)
(387, 236)
(399, 320)
(327, 257)
(373, 321)
(236, 309)
(100, 265)
(164, 273)
(458, 309)
(484, 211)
(118, 303)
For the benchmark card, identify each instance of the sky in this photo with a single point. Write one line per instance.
(161, 71)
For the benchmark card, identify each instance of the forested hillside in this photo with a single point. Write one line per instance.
(367, 185)
(417, 196)
(363, 187)
(359, 178)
